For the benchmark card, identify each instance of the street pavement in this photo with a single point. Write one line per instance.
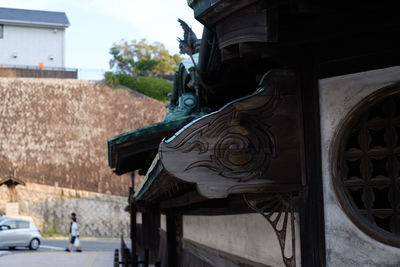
(58, 259)
(96, 253)
(3, 253)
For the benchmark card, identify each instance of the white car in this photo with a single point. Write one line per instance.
(19, 233)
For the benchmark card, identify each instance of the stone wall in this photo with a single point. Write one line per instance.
(346, 244)
(99, 215)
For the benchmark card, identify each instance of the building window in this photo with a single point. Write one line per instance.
(367, 171)
(1, 31)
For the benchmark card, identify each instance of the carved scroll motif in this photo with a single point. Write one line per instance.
(238, 140)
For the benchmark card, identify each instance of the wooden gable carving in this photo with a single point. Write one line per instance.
(250, 145)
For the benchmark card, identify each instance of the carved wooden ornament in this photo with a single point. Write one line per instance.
(249, 145)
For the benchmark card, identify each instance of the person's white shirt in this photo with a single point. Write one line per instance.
(74, 229)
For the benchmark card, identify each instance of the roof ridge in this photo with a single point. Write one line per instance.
(31, 16)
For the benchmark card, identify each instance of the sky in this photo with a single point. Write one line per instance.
(97, 24)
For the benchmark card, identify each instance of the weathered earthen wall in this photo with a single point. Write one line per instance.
(98, 214)
(55, 131)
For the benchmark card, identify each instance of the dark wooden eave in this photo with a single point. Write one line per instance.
(163, 192)
(363, 33)
(9, 181)
(136, 149)
(292, 22)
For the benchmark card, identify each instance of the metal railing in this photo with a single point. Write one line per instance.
(26, 71)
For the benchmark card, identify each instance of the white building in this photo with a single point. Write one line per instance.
(32, 38)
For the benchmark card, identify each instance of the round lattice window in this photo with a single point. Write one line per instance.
(367, 170)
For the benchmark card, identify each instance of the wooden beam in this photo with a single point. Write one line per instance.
(312, 225)
(184, 200)
(171, 239)
(132, 211)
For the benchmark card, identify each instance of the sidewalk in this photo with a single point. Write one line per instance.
(4, 253)
(99, 239)
(58, 259)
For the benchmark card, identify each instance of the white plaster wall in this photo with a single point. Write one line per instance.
(346, 245)
(248, 236)
(163, 222)
(32, 46)
(139, 218)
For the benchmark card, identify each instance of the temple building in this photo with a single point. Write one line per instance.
(281, 146)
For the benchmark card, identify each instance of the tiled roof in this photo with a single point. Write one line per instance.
(34, 17)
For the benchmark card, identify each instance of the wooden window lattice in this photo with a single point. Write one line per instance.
(371, 165)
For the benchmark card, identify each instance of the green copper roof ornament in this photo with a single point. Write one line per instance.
(185, 99)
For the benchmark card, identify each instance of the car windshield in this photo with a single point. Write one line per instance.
(1, 220)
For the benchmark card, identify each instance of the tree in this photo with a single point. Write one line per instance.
(110, 79)
(142, 59)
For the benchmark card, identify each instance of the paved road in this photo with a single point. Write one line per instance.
(98, 244)
(58, 259)
(97, 253)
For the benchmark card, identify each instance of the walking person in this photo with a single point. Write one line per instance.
(74, 235)
(73, 215)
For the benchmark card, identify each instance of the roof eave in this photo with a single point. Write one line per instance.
(33, 24)
(153, 133)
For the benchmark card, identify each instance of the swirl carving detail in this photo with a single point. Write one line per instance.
(237, 140)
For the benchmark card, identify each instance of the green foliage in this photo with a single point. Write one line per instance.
(157, 88)
(142, 59)
(110, 79)
(145, 67)
(135, 63)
